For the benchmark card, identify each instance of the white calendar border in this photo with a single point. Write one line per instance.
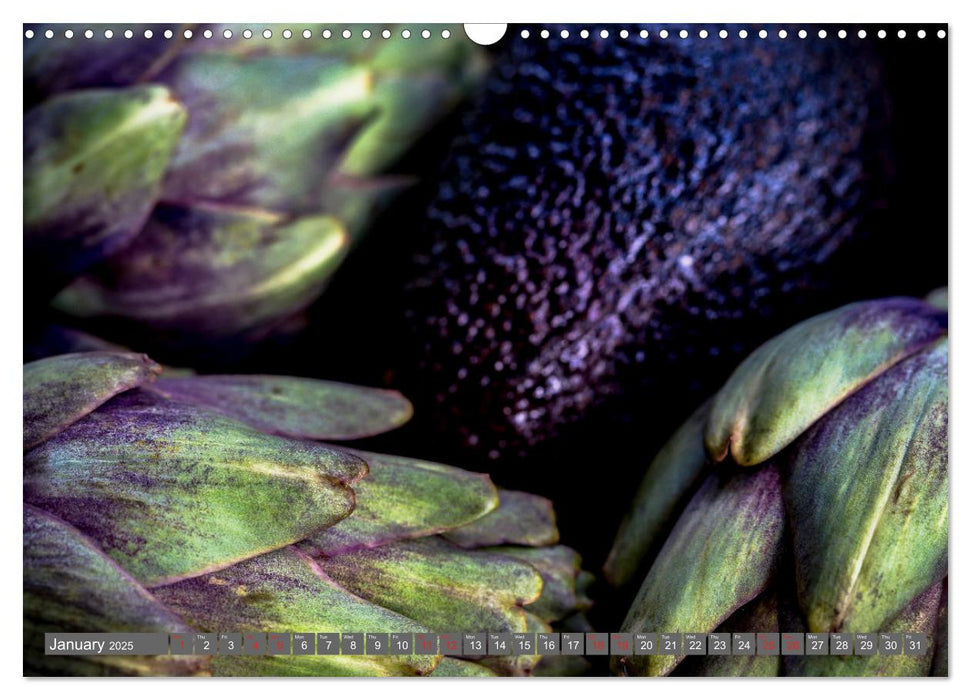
(601, 11)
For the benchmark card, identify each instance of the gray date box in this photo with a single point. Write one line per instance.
(426, 643)
(645, 643)
(597, 644)
(376, 643)
(450, 643)
(548, 643)
(181, 643)
(720, 644)
(841, 643)
(865, 644)
(328, 643)
(743, 644)
(230, 643)
(572, 644)
(915, 643)
(621, 644)
(352, 644)
(891, 643)
(205, 644)
(523, 643)
(817, 644)
(303, 643)
(767, 643)
(695, 644)
(793, 644)
(500, 644)
(278, 643)
(670, 643)
(402, 643)
(254, 643)
(475, 644)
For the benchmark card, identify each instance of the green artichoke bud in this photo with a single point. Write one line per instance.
(214, 201)
(171, 503)
(810, 494)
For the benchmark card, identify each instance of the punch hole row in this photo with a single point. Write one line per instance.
(724, 34)
(525, 34)
(245, 33)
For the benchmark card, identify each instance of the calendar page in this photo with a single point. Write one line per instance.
(485, 350)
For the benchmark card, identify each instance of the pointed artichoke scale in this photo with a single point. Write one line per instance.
(286, 590)
(171, 491)
(294, 406)
(790, 382)
(440, 585)
(203, 271)
(61, 390)
(71, 586)
(93, 167)
(676, 469)
(867, 491)
(721, 554)
(521, 519)
(403, 499)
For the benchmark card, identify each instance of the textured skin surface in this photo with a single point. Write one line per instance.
(614, 208)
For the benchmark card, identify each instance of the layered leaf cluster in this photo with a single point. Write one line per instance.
(809, 494)
(209, 503)
(207, 189)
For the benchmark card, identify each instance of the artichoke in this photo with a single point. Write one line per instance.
(199, 190)
(179, 502)
(809, 494)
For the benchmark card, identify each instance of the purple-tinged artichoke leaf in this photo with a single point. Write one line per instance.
(285, 590)
(294, 406)
(521, 518)
(440, 585)
(71, 586)
(264, 131)
(171, 491)
(412, 85)
(919, 616)
(60, 390)
(93, 167)
(867, 493)
(797, 377)
(198, 273)
(721, 554)
(404, 498)
(673, 472)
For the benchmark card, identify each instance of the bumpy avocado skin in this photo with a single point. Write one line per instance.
(622, 220)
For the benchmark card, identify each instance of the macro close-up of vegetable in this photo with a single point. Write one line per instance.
(341, 335)
(199, 194)
(207, 503)
(810, 494)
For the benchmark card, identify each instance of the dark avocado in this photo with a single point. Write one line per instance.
(621, 220)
